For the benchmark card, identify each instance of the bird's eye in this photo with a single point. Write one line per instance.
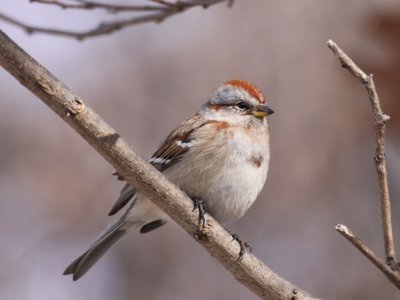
(242, 105)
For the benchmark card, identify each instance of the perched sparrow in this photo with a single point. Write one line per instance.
(219, 156)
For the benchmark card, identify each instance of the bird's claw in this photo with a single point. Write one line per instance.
(119, 177)
(201, 206)
(243, 246)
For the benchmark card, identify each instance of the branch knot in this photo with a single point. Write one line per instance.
(378, 158)
(75, 108)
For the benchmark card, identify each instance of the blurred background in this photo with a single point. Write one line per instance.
(55, 190)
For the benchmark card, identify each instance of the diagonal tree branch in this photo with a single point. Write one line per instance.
(152, 13)
(380, 120)
(379, 263)
(249, 271)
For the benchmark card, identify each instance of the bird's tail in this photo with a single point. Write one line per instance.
(83, 263)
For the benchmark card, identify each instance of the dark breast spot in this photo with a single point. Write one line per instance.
(256, 160)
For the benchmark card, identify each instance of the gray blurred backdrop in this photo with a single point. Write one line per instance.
(55, 189)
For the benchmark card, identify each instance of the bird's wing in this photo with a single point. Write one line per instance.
(175, 145)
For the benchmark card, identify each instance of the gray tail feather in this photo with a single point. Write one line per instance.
(83, 263)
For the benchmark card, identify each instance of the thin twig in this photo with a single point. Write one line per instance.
(380, 120)
(393, 276)
(99, 5)
(161, 13)
(136, 171)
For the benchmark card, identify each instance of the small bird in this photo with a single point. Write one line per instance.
(219, 157)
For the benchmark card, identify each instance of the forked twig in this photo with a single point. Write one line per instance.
(158, 12)
(380, 120)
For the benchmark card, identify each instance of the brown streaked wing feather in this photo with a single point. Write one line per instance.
(173, 148)
(168, 154)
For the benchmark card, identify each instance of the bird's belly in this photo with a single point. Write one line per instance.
(227, 199)
(228, 187)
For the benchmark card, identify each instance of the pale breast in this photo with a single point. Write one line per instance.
(228, 172)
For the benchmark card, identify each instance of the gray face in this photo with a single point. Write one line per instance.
(236, 104)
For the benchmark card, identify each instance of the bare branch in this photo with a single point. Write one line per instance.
(380, 162)
(380, 264)
(70, 107)
(99, 5)
(153, 13)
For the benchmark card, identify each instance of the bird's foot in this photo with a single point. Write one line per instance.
(243, 246)
(201, 206)
(119, 177)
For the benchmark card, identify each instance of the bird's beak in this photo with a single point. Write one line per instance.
(261, 111)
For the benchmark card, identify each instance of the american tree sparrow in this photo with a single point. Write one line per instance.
(220, 157)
